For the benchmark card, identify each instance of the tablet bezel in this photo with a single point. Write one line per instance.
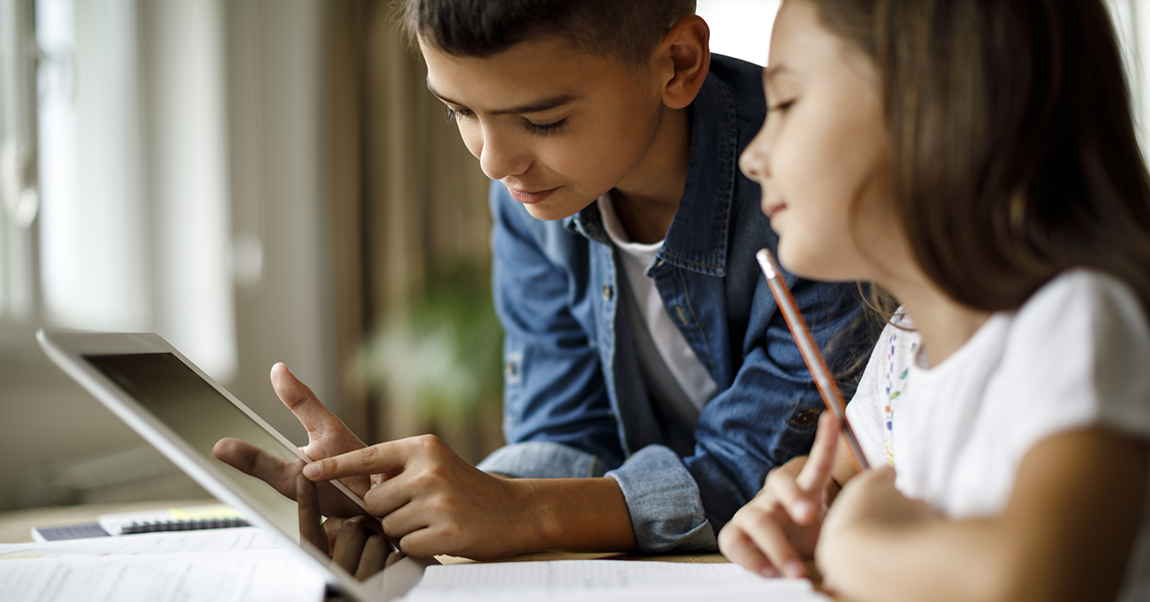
(67, 350)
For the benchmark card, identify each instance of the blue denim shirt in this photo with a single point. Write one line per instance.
(574, 400)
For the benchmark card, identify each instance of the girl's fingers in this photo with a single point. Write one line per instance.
(737, 546)
(783, 491)
(816, 473)
(768, 537)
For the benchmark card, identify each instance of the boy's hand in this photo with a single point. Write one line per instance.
(327, 436)
(778, 529)
(356, 544)
(434, 502)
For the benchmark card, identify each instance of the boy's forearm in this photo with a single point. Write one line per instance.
(576, 515)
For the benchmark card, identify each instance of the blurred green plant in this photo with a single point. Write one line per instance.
(443, 354)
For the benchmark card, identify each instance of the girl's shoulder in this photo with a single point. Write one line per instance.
(1082, 310)
(1079, 347)
(1084, 289)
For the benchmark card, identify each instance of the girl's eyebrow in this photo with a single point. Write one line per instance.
(770, 72)
(537, 106)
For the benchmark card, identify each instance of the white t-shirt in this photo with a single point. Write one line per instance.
(1077, 353)
(689, 372)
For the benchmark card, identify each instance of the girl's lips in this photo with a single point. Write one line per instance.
(773, 210)
(530, 198)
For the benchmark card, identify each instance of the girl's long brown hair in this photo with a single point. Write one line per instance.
(1014, 150)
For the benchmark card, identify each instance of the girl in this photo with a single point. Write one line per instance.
(976, 159)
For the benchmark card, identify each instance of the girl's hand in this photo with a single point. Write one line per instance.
(779, 528)
(869, 500)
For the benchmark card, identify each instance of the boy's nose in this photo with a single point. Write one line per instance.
(500, 158)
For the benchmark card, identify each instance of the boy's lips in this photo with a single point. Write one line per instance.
(530, 198)
(773, 209)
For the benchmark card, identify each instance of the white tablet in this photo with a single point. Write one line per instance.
(182, 412)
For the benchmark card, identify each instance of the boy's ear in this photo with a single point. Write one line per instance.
(686, 55)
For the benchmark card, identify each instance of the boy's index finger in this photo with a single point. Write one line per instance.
(375, 459)
(820, 464)
(300, 399)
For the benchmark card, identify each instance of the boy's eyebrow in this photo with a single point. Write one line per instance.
(537, 106)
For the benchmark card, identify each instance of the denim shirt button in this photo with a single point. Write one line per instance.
(607, 292)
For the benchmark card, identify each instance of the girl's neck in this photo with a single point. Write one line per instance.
(944, 324)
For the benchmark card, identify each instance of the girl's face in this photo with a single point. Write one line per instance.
(822, 156)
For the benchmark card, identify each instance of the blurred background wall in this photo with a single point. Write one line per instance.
(257, 181)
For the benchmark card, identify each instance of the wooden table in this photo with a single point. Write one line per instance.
(16, 527)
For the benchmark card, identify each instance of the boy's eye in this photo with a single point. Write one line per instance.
(544, 129)
(455, 114)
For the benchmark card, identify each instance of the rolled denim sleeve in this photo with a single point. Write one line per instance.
(542, 460)
(663, 499)
(661, 495)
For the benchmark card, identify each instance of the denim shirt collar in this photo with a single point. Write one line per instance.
(697, 238)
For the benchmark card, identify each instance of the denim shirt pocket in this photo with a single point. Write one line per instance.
(799, 435)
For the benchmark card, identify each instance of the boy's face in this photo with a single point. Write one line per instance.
(822, 155)
(558, 126)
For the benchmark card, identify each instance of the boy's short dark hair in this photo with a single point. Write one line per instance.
(629, 29)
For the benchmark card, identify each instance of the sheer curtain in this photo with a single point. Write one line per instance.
(1132, 22)
(407, 197)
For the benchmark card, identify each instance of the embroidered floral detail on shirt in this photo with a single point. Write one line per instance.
(895, 382)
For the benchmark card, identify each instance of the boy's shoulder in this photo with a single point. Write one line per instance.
(734, 71)
(743, 82)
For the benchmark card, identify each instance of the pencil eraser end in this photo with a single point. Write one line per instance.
(766, 262)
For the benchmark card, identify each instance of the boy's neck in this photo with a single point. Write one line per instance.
(647, 199)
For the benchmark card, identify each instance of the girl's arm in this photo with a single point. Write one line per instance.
(1066, 534)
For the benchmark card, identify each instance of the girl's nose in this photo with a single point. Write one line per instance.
(753, 162)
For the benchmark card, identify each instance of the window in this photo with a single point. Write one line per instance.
(740, 28)
(115, 192)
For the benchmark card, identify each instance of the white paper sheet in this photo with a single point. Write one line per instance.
(196, 566)
(605, 580)
(176, 542)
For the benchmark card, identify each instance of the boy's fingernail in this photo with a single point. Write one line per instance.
(312, 471)
(770, 572)
(794, 569)
(801, 508)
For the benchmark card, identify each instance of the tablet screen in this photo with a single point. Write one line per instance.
(195, 411)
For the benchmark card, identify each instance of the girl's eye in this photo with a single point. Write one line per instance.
(781, 107)
(454, 115)
(544, 129)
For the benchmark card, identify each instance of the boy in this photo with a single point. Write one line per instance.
(650, 382)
